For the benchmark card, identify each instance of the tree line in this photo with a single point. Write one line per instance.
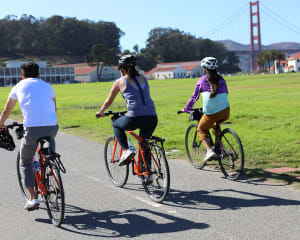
(55, 36)
(99, 42)
(266, 59)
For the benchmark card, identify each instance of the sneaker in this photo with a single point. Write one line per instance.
(210, 154)
(126, 157)
(32, 204)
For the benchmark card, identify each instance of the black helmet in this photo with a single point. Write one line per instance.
(6, 140)
(127, 60)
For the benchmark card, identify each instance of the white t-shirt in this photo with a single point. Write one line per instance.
(36, 102)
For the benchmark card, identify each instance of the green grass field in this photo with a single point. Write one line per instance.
(264, 112)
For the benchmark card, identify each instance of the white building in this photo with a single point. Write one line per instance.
(175, 70)
(294, 63)
(86, 73)
(11, 74)
(279, 67)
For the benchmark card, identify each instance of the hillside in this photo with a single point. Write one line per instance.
(245, 59)
(235, 46)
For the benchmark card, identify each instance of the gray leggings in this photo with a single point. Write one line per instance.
(28, 148)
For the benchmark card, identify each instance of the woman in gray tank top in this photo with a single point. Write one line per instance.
(141, 112)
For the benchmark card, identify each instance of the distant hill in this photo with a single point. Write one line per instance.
(235, 46)
(245, 59)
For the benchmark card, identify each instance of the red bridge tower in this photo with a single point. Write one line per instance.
(255, 40)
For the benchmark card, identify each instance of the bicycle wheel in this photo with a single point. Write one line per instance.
(232, 154)
(158, 188)
(118, 175)
(194, 148)
(55, 197)
(21, 184)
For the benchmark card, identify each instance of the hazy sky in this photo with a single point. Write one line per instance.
(214, 19)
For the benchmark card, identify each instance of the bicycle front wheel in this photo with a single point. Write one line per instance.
(55, 197)
(158, 187)
(232, 154)
(112, 153)
(194, 148)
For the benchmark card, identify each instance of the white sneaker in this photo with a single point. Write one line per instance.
(210, 154)
(126, 157)
(32, 204)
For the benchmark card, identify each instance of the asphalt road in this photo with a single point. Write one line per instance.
(200, 205)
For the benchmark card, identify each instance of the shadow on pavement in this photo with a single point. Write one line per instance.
(130, 223)
(223, 199)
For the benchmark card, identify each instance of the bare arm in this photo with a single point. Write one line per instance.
(110, 99)
(10, 104)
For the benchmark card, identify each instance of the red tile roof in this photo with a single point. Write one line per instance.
(165, 69)
(295, 56)
(73, 65)
(84, 70)
(179, 63)
(190, 67)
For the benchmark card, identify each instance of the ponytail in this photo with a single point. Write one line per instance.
(214, 79)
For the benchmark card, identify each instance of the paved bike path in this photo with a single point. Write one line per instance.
(200, 205)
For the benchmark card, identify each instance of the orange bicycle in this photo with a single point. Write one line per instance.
(151, 165)
(48, 182)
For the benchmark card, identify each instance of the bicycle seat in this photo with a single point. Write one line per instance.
(44, 139)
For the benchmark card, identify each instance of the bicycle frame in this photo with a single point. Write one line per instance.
(137, 164)
(39, 179)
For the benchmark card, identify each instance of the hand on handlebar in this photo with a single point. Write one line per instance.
(180, 111)
(100, 114)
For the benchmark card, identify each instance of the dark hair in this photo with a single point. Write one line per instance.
(131, 71)
(214, 79)
(30, 70)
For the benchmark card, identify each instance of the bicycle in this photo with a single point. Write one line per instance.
(151, 165)
(48, 184)
(227, 146)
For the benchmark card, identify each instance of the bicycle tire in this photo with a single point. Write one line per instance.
(194, 148)
(118, 175)
(21, 185)
(55, 197)
(232, 155)
(158, 189)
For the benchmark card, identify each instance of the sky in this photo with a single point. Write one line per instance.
(214, 19)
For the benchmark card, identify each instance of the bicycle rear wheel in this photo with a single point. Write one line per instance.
(118, 175)
(55, 197)
(158, 188)
(232, 154)
(194, 148)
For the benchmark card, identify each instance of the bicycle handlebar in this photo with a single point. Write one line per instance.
(180, 111)
(115, 114)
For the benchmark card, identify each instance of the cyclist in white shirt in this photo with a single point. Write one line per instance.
(37, 101)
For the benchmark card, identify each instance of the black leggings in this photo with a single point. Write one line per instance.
(146, 124)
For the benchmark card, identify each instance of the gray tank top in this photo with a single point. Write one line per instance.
(136, 105)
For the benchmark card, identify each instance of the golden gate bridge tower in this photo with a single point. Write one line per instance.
(255, 39)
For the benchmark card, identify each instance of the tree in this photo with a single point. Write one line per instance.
(173, 45)
(101, 56)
